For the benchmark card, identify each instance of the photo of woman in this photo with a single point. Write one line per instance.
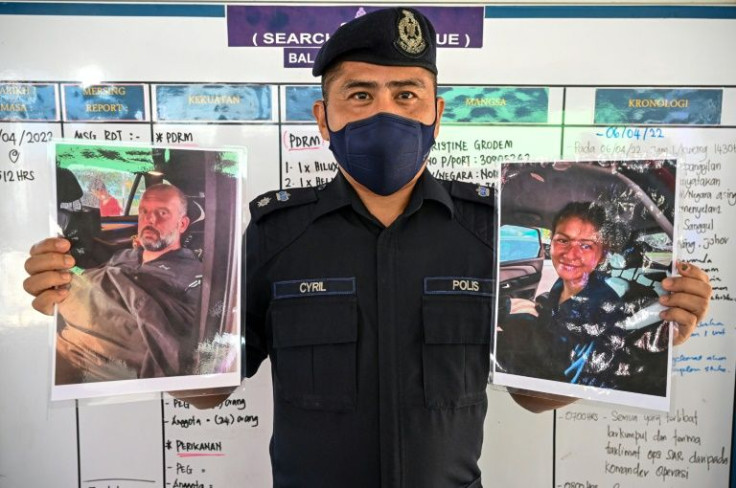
(580, 309)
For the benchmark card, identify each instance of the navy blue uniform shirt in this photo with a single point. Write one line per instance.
(379, 337)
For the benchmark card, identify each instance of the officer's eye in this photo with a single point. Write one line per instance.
(406, 95)
(359, 96)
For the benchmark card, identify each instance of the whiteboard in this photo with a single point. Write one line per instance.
(569, 53)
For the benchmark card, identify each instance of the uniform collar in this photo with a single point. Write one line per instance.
(334, 195)
(338, 193)
(428, 188)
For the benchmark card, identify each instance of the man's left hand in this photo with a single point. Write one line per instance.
(687, 301)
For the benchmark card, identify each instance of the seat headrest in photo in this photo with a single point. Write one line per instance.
(67, 186)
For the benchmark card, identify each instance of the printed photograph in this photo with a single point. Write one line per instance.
(584, 247)
(154, 299)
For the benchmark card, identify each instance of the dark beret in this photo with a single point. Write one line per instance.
(390, 37)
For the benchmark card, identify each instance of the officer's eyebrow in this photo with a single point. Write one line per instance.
(352, 84)
(410, 83)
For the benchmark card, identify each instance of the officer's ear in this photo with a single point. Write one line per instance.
(439, 108)
(319, 110)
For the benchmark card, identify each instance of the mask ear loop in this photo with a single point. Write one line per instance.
(433, 124)
(327, 122)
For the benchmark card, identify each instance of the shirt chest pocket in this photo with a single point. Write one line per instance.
(314, 357)
(456, 350)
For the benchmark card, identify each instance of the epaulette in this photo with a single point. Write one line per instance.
(280, 199)
(476, 210)
(473, 192)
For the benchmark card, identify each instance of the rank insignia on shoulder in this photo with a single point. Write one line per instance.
(473, 192)
(278, 200)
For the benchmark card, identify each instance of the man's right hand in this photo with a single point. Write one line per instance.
(48, 267)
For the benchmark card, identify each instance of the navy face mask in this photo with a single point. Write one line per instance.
(383, 152)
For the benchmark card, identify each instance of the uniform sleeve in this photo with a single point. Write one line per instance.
(256, 302)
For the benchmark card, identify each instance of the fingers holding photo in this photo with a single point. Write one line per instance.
(688, 299)
(49, 277)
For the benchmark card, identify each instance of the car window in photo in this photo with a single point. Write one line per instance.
(103, 188)
(519, 243)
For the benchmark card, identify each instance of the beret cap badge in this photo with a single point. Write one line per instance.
(410, 38)
(393, 36)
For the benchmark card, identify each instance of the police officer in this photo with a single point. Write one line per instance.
(372, 295)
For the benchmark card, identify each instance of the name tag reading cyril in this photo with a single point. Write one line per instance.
(312, 287)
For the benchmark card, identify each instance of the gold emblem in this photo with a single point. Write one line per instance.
(410, 34)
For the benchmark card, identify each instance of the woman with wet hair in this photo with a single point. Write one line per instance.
(581, 308)
(577, 332)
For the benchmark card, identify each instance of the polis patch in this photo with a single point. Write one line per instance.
(459, 285)
(313, 287)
